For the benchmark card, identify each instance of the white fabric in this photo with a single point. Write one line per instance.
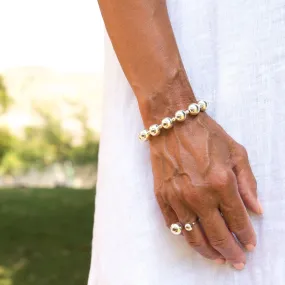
(234, 54)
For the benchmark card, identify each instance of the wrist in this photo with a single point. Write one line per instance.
(175, 94)
(193, 109)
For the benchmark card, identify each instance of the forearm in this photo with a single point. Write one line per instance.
(144, 42)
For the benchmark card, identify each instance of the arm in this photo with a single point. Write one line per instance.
(143, 40)
(199, 170)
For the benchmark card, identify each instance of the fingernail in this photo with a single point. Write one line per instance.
(260, 208)
(220, 261)
(250, 247)
(238, 266)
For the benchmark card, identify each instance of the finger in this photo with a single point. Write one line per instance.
(195, 238)
(238, 221)
(169, 215)
(247, 185)
(222, 239)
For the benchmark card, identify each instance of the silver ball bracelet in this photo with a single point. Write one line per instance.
(193, 109)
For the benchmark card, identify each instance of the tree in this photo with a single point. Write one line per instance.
(87, 151)
(47, 143)
(5, 99)
(6, 141)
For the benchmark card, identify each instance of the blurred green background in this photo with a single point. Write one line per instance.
(47, 143)
(46, 233)
(51, 81)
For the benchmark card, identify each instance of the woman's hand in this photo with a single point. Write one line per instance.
(200, 172)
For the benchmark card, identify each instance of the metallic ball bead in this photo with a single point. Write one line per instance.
(167, 123)
(180, 116)
(144, 135)
(203, 105)
(194, 109)
(154, 130)
(176, 229)
(188, 227)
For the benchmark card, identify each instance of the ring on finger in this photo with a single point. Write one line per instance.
(189, 226)
(176, 229)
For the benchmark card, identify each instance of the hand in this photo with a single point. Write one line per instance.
(200, 172)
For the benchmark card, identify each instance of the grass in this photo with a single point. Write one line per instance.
(45, 236)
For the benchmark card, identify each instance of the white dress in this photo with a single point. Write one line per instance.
(234, 54)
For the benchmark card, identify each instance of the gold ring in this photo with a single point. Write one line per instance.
(176, 229)
(189, 226)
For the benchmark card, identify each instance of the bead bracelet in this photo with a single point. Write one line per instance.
(154, 130)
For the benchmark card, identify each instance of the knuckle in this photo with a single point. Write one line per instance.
(195, 243)
(240, 155)
(200, 246)
(239, 226)
(242, 151)
(218, 242)
(245, 194)
(179, 192)
(221, 178)
(191, 196)
(194, 200)
(238, 219)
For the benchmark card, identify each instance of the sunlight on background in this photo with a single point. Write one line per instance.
(50, 50)
(65, 35)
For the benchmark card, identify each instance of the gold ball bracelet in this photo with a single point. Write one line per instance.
(154, 130)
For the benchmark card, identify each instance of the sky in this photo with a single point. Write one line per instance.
(64, 35)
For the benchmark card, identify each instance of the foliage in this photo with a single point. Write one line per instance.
(11, 163)
(6, 138)
(87, 151)
(9, 159)
(44, 145)
(6, 141)
(5, 99)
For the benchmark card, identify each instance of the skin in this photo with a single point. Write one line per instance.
(199, 170)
